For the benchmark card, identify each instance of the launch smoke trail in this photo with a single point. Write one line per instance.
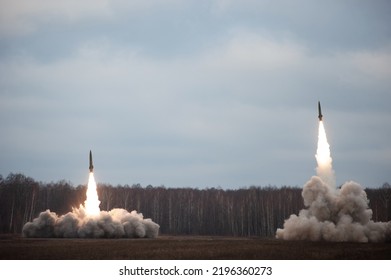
(89, 222)
(333, 214)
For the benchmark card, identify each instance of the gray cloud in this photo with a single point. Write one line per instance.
(193, 94)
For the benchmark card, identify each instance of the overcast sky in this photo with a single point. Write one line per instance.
(194, 93)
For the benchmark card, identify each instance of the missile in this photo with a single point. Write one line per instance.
(91, 166)
(319, 111)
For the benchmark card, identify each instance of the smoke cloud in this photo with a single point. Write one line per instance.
(333, 214)
(117, 223)
(89, 222)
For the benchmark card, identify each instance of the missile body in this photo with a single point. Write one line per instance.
(319, 111)
(91, 166)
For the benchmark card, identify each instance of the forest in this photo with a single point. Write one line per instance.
(251, 211)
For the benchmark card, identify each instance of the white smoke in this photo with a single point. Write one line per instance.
(333, 214)
(89, 222)
(117, 223)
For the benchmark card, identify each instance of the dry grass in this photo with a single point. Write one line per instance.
(186, 247)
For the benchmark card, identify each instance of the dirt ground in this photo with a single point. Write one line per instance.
(186, 247)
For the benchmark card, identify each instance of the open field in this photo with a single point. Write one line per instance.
(186, 247)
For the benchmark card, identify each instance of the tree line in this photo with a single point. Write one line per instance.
(252, 211)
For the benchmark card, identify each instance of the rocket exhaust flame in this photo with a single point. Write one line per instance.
(324, 170)
(90, 222)
(333, 214)
(92, 201)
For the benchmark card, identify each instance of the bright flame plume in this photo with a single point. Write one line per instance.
(92, 202)
(325, 169)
